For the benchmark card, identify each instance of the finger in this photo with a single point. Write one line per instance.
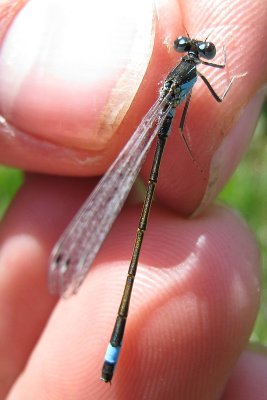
(86, 127)
(248, 380)
(76, 82)
(193, 307)
(218, 134)
(34, 221)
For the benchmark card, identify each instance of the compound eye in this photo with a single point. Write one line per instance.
(182, 44)
(206, 50)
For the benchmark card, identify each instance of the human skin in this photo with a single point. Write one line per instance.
(196, 294)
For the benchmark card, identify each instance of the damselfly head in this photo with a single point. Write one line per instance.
(185, 44)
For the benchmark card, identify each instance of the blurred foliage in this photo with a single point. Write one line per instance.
(10, 181)
(246, 192)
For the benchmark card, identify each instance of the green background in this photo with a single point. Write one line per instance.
(246, 192)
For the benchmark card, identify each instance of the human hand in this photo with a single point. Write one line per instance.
(195, 297)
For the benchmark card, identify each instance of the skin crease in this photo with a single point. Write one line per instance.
(196, 294)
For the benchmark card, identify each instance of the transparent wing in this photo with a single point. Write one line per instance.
(79, 244)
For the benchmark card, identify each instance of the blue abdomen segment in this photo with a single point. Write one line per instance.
(186, 88)
(112, 354)
(110, 362)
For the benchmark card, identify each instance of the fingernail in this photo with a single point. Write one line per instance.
(69, 70)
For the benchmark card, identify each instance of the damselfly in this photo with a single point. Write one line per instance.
(75, 251)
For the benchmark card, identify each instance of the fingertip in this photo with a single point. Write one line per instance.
(227, 156)
(32, 224)
(194, 302)
(248, 380)
(67, 86)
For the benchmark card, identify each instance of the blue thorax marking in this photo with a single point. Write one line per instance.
(186, 87)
